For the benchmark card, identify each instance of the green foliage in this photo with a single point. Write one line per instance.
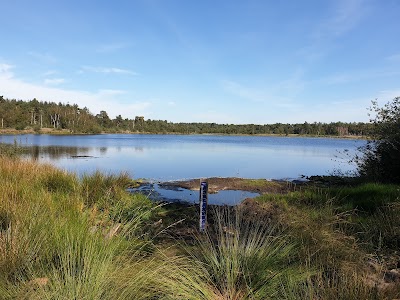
(366, 197)
(381, 157)
(38, 115)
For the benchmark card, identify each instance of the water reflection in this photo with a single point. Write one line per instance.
(56, 152)
(103, 150)
(163, 193)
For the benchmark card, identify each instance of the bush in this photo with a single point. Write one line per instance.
(380, 159)
(20, 126)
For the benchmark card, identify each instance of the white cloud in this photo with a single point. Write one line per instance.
(107, 70)
(171, 103)
(54, 81)
(106, 99)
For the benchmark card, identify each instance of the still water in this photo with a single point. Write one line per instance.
(175, 157)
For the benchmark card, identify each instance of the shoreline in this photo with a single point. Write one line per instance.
(51, 131)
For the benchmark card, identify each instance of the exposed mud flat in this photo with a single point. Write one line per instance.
(215, 184)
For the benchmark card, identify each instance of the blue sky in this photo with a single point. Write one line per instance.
(223, 61)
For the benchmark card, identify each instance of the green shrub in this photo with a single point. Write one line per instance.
(380, 159)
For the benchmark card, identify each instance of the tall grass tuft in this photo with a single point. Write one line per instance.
(382, 229)
(245, 257)
(104, 190)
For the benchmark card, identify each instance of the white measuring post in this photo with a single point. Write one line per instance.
(203, 204)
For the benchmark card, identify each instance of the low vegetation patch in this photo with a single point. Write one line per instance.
(63, 237)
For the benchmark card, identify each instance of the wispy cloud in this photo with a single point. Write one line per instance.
(394, 57)
(346, 110)
(280, 93)
(49, 73)
(346, 15)
(43, 57)
(112, 92)
(106, 70)
(242, 91)
(105, 99)
(54, 81)
(212, 116)
(112, 47)
(387, 95)
(349, 77)
(5, 70)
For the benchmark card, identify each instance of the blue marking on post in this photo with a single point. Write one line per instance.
(203, 205)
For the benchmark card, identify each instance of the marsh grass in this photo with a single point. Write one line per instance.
(338, 230)
(62, 237)
(54, 244)
(382, 229)
(12, 151)
(104, 189)
(245, 258)
(367, 197)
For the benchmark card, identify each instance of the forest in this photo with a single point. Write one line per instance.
(37, 115)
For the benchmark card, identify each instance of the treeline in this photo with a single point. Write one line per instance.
(36, 115)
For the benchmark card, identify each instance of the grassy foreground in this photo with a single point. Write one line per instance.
(67, 238)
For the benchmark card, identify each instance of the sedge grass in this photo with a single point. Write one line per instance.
(244, 258)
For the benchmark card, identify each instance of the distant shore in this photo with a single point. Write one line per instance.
(52, 131)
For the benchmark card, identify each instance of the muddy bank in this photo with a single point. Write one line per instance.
(216, 184)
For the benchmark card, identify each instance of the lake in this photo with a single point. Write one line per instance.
(160, 158)
(176, 157)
